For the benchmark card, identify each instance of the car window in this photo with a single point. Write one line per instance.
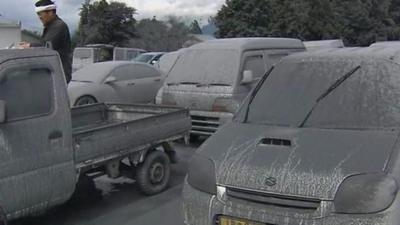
(155, 59)
(141, 71)
(256, 64)
(27, 92)
(206, 66)
(367, 99)
(275, 58)
(124, 73)
(131, 55)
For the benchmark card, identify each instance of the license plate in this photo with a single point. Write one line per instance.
(224, 220)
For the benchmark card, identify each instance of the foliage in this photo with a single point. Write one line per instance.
(157, 35)
(195, 28)
(102, 22)
(358, 22)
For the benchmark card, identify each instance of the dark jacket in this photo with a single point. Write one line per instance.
(57, 33)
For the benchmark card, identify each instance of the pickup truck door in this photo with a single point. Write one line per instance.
(36, 157)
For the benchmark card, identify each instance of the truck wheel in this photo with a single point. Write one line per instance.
(153, 175)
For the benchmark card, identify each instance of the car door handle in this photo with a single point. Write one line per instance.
(131, 84)
(157, 80)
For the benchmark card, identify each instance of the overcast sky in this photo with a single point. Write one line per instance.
(23, 10)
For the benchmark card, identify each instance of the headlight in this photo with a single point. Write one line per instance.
(364, 194)
(201, 175)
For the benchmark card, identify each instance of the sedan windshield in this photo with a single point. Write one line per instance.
(367, 98)
(144, 58)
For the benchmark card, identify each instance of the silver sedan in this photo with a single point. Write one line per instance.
(120, 82)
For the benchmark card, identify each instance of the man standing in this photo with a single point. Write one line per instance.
(56, 33)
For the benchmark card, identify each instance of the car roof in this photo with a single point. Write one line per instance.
(338, 43)
(391, 53)
(153, 53)
(107, 67)
(243, 44)
(385, 43)
(25, 53)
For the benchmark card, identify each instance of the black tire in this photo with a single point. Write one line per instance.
(194, 138)
(85, 100)
(153, 175)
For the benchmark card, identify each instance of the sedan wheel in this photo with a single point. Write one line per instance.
(85, 100)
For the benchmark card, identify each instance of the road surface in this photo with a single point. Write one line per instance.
(118, 202)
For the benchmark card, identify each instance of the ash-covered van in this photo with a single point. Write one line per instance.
(212, 78)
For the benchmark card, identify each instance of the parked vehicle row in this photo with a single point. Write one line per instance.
(213, 78)
(316, 142)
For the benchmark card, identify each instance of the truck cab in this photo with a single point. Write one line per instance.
(36, 158)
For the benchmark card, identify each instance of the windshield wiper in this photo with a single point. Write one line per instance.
(184, 83)
(328, 92)
(213, 84)
(256, 89)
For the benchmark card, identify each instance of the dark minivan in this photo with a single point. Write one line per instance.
(317, 142)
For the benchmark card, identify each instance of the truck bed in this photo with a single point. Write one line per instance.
(104, 132)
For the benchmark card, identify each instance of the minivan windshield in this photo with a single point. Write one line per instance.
(368, 99)
(206, 66)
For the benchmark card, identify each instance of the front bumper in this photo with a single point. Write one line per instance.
(203, 209)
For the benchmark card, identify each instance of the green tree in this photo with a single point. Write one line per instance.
(157, 35)
(358, 22)
(106, 23)
(243, 18)
(195, 28)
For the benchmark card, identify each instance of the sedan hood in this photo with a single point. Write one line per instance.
(301, 162)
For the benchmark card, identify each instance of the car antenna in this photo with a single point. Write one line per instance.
(329, 91)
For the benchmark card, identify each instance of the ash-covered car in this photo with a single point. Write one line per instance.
(317, 142)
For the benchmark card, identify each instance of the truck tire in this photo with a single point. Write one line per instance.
(153, 175)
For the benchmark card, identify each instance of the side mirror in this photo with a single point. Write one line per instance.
(110, 80)
(247, 77)
(3, 111)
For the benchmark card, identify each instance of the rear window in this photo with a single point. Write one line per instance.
(27, 92)
(369, 98)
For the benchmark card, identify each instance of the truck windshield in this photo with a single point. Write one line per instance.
(209, 66)
(367, 99)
